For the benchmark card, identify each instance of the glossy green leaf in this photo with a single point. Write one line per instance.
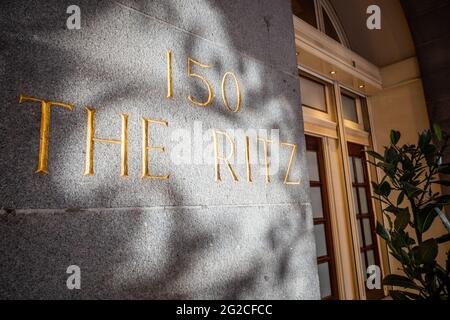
(437, 131)
(392, 209)
(381, 231)
(400, 198)
(443, 200)
(390, 155)
(402, 239)
(407, 168)
(429, 148)
(401, 220)
(376, 155)
(387, 167)
(411, 190)
(424, 138)
(427, 251)
(425, 219)
(395, 136)
(398, 295)
(403, 295)
(444, 238)
(443, 182)
(399, 281)
(384, 189)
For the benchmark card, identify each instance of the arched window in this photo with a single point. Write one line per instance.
(321, 15)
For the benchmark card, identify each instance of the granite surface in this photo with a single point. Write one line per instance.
(186, 237)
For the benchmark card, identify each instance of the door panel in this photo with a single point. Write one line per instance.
(321, 215)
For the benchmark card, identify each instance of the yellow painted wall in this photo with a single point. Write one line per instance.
(401, 106)
(396, 101)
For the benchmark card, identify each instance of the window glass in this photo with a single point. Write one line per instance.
(361, 192)
(352, 171)
(349, 108)
(360, 233)
(364, 267)
(363, 200)
(316, 202)
(313, 166)
(329, 28)
(370, 257)
(322, 226)
(359, 170)
(324, 279)
(367, 232)
(355, 201)
(321, 244)
(305, 10)
(312, 94)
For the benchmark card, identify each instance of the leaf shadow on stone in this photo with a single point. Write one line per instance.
(104, 246)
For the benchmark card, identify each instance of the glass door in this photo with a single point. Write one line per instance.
(321, 215)
(364, 213)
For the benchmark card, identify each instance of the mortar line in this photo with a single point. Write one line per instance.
(152, 208)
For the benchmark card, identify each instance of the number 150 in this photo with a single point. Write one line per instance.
(190, 64)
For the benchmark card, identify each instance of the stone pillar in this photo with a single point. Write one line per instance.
(74, 189)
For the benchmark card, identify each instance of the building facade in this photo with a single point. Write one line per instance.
(199, 149)
(155, 151)
(357, 84)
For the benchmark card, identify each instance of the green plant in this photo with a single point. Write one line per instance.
(412, 205)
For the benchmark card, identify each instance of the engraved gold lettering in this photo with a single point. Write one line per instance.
(224, 93)
(146, 148)
(90, 141)
(247, 159)
(169, 75)
(206, 82)
(225, 159)
(291, 160)
(45, 128)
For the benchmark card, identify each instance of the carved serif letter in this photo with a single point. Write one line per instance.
(146, 148)
(45, 128)
(90, 141)
(291, 160)
(227, 158)
(206, 82)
